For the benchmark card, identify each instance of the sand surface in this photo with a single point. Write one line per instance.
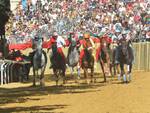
(99, 97)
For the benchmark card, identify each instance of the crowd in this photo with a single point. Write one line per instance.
(43, 17)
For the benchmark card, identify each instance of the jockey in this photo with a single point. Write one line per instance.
(52, 41)
(104, 43)
(73, 40)
(122, 38)
(36, 43)
(87, 44)
(116, 39)
(59, 42)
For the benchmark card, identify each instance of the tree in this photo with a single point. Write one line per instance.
(4, 17)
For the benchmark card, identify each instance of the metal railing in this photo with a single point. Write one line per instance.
(7, 69)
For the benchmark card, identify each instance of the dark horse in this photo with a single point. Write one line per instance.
(88, 63)
(58, 64)
(38, 61)
(73, 57)
(125, 56)
(114, 68)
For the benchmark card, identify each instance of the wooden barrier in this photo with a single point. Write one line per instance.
(142, 56)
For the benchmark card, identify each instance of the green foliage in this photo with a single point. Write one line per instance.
(4, 11)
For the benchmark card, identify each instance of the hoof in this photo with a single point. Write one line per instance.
(119, 77)
(124, 78)
(129, 78)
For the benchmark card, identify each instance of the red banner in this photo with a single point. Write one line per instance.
(20, 46)
(46, 44)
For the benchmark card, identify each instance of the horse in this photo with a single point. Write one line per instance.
(38, 61)
(73, 58)
(104, 53)
(58, 64)
(125, 56)
(88, 63)
(114, 67)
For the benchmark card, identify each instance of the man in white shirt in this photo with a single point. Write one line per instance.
(60, 43)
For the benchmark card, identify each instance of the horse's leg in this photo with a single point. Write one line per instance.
(85, 74)
(129, 68)
(92, 74)
(123, 72)
(72, 74)
(117, 71)
(102, 67)
(64, 75)
(114, 68)
(78, 71)
(56, 75)
(72, 70)
(110, 68)
(42, 77)
(78, 74)
(34, 74)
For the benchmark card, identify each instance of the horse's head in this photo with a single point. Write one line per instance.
(37, 43)
(124, 45)
(88, 59)
(73, 43)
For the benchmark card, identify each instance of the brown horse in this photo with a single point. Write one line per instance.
(104, 57)
(88, 62)
(58, 64)
(114, 68)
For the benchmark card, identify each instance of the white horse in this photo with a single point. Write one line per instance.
(73, 59)
(39, 61)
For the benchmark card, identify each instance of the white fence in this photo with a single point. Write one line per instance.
(142, 56)
(9, 72)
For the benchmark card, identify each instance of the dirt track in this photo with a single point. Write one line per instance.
(110, 97)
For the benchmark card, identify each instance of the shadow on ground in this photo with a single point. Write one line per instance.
(35, 109)
(23, 94)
